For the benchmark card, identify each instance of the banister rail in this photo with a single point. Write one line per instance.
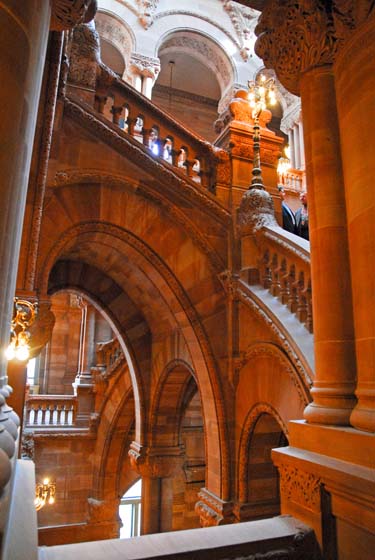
(109, 356)
(161, 133)
(284, 269)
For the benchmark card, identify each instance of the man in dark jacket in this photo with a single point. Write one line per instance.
(289, 221)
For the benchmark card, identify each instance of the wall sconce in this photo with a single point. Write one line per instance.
(44, 493)
(24, 314)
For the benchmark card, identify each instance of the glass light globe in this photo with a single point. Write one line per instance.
(22, 353)
(9, 352)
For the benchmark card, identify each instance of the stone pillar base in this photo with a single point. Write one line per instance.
(327, 480)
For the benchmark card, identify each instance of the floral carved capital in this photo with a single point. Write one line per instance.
(156, 462)
(297, 35)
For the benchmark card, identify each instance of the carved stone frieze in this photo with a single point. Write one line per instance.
(65, 14)
(27, 446)
(255, 212)
(212, 510)
(299, 486)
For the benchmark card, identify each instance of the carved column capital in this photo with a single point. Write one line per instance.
(213, 510)
(144, 65)
(69, 13)
(156, 462)
(296, 36)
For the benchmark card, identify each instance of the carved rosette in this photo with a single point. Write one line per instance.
(66, 14)
(300, 487)
(212, 510)
(157, 462)
(255, 212)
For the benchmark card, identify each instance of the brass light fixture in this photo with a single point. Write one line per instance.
(284, 164)
(24, 314)
(44, 493)
(261, 93)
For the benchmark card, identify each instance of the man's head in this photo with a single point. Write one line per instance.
(303, 198)
(280, 188)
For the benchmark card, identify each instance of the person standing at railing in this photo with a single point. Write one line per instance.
(289, 221)
(302, 217)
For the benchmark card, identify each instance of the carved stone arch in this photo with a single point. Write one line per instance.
(205, 49)
(117, 33)
(168, 403)
(253, 416)
(93, 236)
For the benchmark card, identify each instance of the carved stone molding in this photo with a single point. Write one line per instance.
(255, 212)
(69, 13)
(147, 10)
(295, 36)
(301, 487)
(229, 281)
(156, 462)
(144, 65)
(212, 510)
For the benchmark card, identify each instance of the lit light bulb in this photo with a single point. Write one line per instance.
(287, 151)
(10, 352)
(251, 96)
(51, 500)
(263, 78)
(46, 481)
(22, 353)
(262, 90)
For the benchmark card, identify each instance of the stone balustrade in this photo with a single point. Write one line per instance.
(293, 180)
(161, 133)
(109, 355)
(50, 411)
(284, 269)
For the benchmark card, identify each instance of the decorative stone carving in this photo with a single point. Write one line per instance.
(27, 446)
(255, 212)
(147, 9)
(300, 487)
(212, 510)
(68, 13)
(144, 65)
(243, 20)
(295, 36)
(84, 56)
(158, 462)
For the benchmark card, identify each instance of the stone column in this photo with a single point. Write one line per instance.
(158, 467)
(355, 87)
(311, 75)
(297, 146)
(291, 148)
(302, 145)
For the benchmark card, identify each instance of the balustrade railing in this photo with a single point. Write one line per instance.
(294, 181)
(285, 271)
(50, 411)
(109, 355)
(159, 132)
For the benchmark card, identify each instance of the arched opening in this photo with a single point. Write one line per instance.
(262, 476)
(194, 74)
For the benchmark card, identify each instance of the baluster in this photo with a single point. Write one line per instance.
(51, 411)
(284, 283)
(293, 290)
(36, 414)
(302, 304)
(275, 284)
(116, 111)
(100, 101)
(266, 279)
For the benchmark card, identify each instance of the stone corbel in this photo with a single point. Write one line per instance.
(156, 462)
(212, 510)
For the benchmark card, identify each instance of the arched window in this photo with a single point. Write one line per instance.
(130, 511)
